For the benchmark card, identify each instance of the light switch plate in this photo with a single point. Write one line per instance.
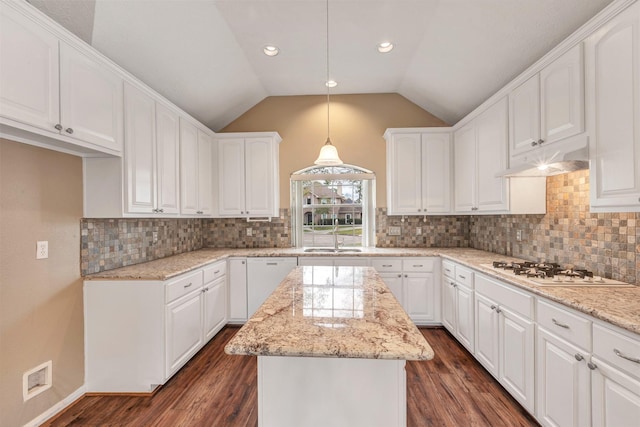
(393, 231)
(42, 249)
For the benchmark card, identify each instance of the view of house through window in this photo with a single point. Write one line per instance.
(332, 206)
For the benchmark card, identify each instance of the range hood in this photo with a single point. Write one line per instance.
(556, 159)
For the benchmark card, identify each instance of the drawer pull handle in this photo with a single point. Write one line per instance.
(418, 265)
(630, 359)
(216, 272)
(579, 357)
(188, 286)
(272, 263)
(386, 265)
(447, 270)
(461, 276)
(562, 325)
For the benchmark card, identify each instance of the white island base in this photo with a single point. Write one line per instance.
(326, 391)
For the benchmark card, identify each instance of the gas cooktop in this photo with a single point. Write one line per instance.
(552, 274)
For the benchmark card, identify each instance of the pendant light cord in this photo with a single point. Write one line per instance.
(327, 81)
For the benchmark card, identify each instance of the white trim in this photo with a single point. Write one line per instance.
(604, 16)
(57, 408)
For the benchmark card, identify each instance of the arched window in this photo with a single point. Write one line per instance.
(333, 205)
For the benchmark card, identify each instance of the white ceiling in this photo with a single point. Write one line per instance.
(206, 55)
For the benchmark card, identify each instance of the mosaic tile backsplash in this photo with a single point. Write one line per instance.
(234, 232)
(607, 243)
(434, 231)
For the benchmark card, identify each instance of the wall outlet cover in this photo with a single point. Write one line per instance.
(42, 249)
(393, 231)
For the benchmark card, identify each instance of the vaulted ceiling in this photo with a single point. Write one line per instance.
(206, 55)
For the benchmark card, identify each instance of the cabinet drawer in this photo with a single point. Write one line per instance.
(386, 264)
(215, 271)
(464, 276)
(418, 264)
(183, 285)
(616, 349)
(565, 324)
(505, 295)
(448, 269)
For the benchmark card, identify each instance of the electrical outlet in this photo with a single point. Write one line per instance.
(42, 249)
(394, 231)
(155, 237)
(249, 231)
(519, 235)
(418, 231)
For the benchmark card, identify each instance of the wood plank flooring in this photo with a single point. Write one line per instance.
(215, 389)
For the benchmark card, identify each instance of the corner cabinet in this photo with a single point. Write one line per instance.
(50, 88)
(196, 175)
(418, 171)
(247, 175)
(139, 333)
(613, 111)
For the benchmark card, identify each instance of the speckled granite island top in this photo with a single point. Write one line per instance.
(345, 312)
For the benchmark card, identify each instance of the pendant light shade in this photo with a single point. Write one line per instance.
(328, 153)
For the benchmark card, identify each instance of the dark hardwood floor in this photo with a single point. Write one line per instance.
(215, 389)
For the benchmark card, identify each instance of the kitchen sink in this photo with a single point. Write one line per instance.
(332, 250)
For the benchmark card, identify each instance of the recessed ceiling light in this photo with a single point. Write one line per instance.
(271, 50)
(385, 47)
(331, 83)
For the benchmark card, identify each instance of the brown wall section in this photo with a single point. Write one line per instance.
(41, 310)
(357, 125)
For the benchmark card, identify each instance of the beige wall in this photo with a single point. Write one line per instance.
(41, 314)
(357, 125)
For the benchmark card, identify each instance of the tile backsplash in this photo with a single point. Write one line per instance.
(608, 243)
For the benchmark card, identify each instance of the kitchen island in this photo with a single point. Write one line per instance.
(332, 343)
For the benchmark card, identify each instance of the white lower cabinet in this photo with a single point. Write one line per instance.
(139, 333)
(504, 337)
(264, 274)
(457, 303)
(412, 281)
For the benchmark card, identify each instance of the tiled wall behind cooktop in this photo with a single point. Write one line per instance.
(607, 243)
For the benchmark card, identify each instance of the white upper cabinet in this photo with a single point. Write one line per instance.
(247, 174)
(195, 170)
(549, 107)
(167, 160)
(480, 149)
(90, 100)
(613, 107)
(50, 88)
(418, 171)
(29, 79)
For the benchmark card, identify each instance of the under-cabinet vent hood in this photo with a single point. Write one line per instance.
(559, 158)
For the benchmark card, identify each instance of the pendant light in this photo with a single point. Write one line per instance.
(328, 153)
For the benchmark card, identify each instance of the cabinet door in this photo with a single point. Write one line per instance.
(394, 283)
(259, 177)
(90, 99)
(517, 370)
(613, 102)
(420, 301)
(465, 320)
(562, 97)
(487, 333)
(436, 173)
(184, 330)
(615, 397)
(29, 72)
(492, 158)
(238, 290)
(465, 168)
(167, 160)
(263, 277)
(404, 182)
(139, 153)
(231, 176)
(524, 116)
(188, 168)
(563, 382)
(215, 307)
(449, 304)
(205, 177)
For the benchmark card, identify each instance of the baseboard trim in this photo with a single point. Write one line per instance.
(57, 408)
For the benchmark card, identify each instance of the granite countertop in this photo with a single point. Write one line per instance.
(618, 306)
(320, 311)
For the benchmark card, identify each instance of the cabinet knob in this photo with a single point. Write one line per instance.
(498, 310)
(69, 131)
(578, 357)
(419, 210)
(493, 307)
(406, 275)
(58, 126)
(540, 141)
(475, 208)
(399, 275)
(199, 212)
(592, 366)
(160, 210)
(534, 143)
